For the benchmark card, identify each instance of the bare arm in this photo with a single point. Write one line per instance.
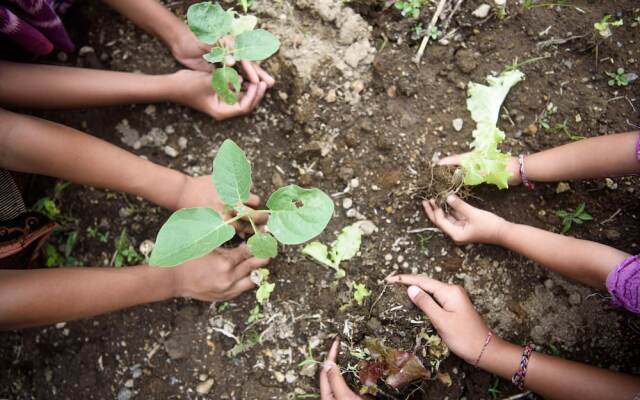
(599, 157)
(556, 378)
(582, 260)
(33, 145)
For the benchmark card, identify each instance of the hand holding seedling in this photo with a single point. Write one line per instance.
(512, 166)
(220, 275)
(465, 223)
(451, 312)
(332, 384)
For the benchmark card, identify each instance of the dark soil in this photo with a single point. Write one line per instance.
(387, 141)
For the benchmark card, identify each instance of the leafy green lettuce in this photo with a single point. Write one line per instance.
(486, 163)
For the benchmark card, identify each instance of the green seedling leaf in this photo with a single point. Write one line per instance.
(216, 55)
(232, 174)
(226, 83)
(209, 22)
(189, 233)
(263, 245)
(319, 252)
(243, 23)
(360, 291)
(486, 163)
(298, 214)
(259, 277)
(256, 45)
(347, 244)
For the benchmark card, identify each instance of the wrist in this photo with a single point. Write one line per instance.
(500, 232)
(165, 188)
(500, 357)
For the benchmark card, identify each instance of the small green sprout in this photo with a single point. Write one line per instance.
(345, 247)
(577, 216)
(125, 252)
(544, 119)
(620, 78)
(360, 291)
(435, 33)
(94, 232)
(255, 315)
(245, 4)
(493, 391)
(605, 24)
(409, 8)
(564, 127)
(265, 288)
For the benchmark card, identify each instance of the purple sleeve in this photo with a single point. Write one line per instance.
(638, 147)
(624, 284)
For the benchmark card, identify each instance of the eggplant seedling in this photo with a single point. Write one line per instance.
(213, 25)
(296, 215)
(620, 78)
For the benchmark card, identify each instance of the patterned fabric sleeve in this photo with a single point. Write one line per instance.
(624, 284)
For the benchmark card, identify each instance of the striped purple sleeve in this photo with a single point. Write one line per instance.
(638, 147)
(624, 284)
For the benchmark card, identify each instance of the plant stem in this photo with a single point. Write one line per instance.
(248, 214)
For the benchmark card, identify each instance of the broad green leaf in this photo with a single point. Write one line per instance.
(209, 22)
(486, 163)
(264, 292)
(189, 233)
(226, 83)
(263, 245)
(346, 245)
(216, 55)
(319, 252)
(232, 174)
(298, 214)
(242, 24)
(256, 45)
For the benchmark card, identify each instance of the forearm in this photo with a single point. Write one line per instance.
(582, 260)
(555, 378)
(45, 296)
(603, 156)
(33, 145)
(152, 17)
(54, 87)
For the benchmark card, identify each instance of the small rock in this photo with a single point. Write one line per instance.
(150, 109)
(61, 325)
(345, 173)
(62, 56)
(366, 227)
(482, 11)
(392, 91)
(354, 183)
(466, 61)
(612, 234)
(290, 377)
(374, 325)
(182, 142)
(388, 257)
(125, 212)
(331, 96)
(205, 387)
(548, 284)
(531, 129)
(125, 394)
(84, 50)
(347, 203)
(279, 376)
(129, 383)
(170, 151)
(457, 124)
(277, 180)
(610, 183)
(500, 3)
(351, 139)
(352, 213)
(169, 129)
(357, 86)
(309, 370)
(146, 247)
(575, 299)
(563, 187)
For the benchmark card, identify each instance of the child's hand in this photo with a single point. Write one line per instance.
(512, 165)
(332, 384)
(200, 192)
(465, 223)
(193, 89)
(221, 275)
(450, 311)
(188, 51)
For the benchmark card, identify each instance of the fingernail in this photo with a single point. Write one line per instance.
(328, 365)
(451, 198)
(413, 291)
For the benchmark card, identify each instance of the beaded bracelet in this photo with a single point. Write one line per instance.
(525, 181)
(521, 373)
(484, 347)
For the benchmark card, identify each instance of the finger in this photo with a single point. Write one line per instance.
(254, 200)
(244, 269)
(262, 88)
(429, 210)
(441, 221)
(336, 381)
(250, 70)
(325, 389)
(247, 99)
(432, 286)
(241, 286)
(426, 303)
(243, 226)
(460, 206)
(452, 160)
(265, 77)
(237, 254)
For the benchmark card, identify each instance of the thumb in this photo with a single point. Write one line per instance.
(426, 303)
(460, 206)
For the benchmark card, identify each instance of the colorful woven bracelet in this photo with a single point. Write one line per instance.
(523, 175)
(484, 347)
(521, 373)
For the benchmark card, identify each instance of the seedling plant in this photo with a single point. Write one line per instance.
(296, 215)
(620, 78)
(360, 291)
(345, 247)
(409, 8)
(570, 217)
(605, 25)
(215, 26)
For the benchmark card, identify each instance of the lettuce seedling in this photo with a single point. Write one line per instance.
(212, 24)
(265, 288)
(360, 291)
(486, 163)
(345, 247)
(296, 215)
